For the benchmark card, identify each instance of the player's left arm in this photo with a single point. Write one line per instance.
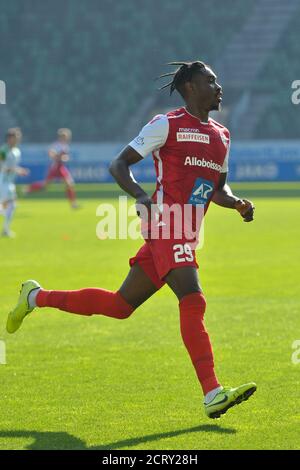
(223, 196)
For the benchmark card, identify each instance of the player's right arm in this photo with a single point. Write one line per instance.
(120, 170)
(152, 137)
(52, 154)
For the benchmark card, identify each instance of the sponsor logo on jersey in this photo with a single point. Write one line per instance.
(187, 129)
(192, 137)
(194, 161)
(139, 140)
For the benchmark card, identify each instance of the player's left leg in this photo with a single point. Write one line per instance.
(70, 186)
(185, 284)
(9, 207)
(52, 174)
(71, 195)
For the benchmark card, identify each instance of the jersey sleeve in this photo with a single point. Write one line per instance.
(225, 166)
(152, 137)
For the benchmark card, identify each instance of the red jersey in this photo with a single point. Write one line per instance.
(60, 149)
(189, 156)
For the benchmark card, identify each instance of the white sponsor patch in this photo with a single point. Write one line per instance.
(192, 137)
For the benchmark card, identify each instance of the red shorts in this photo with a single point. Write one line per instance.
(59, 171)
(158, 257)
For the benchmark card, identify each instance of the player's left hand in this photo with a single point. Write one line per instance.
(65, 157)
(23, 171)
(246, 209)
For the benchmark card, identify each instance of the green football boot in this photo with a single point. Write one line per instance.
(227, 398)
(17, 315)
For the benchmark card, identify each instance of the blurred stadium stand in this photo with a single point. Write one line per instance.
(90, 65)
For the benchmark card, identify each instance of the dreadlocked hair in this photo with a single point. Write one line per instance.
(182, 74)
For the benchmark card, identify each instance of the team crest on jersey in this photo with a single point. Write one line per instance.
(139, 140)
(192, 137)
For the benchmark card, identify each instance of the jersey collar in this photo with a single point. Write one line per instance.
(195, 117)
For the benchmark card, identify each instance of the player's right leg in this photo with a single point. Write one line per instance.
(35, 186)
(8, 198)
(41, 185)
(136, 288)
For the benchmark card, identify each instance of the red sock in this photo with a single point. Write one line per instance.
(71, 194)
(37, 186)
(89, 301)
(196, 339)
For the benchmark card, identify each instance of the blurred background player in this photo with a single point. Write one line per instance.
(10, 157)
(59, 154)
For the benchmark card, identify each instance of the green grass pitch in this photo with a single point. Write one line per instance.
(97, 383)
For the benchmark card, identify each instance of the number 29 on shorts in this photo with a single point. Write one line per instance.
(183, 253)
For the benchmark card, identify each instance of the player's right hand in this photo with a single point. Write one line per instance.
(21, 171)
(148, 211)
(144, 205)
